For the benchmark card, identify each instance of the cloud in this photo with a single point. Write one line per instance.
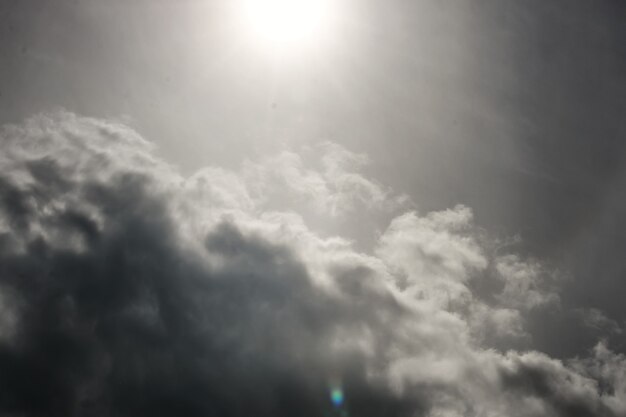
(524, 284)
(128, 289)
(336, 188)
(609, 370)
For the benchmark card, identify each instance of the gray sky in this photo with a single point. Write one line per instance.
(511, 108)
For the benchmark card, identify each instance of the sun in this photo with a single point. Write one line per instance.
(288, 23)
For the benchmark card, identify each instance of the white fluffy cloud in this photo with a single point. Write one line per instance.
(134, 290)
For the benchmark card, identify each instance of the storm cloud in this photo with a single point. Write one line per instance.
(129, 289)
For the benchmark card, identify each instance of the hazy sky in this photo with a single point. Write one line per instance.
(510, 107)
(483, 138)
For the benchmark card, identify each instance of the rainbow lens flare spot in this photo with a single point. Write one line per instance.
(336, 396)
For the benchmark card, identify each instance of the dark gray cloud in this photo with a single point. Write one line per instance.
(128, 289)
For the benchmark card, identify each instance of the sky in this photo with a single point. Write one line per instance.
(413, 209)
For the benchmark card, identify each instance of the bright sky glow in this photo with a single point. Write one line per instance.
(288, 24)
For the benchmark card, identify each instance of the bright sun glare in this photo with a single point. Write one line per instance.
(288, 23)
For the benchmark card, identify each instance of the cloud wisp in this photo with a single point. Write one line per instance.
(127, 289)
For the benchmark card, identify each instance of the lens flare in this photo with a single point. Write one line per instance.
(336, 397)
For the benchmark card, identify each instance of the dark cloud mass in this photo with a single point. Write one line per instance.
(129, 290)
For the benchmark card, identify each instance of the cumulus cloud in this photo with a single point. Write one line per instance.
(127, 289)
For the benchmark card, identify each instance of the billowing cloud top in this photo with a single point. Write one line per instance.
(127, 289)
